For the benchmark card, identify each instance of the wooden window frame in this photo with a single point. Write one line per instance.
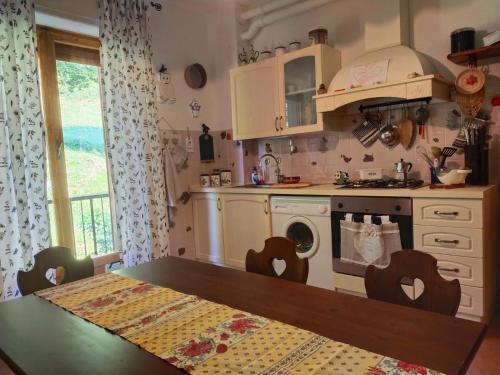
(55, 45)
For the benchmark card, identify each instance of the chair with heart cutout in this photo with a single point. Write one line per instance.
(385, 284)
(296, 269)
(60, 259)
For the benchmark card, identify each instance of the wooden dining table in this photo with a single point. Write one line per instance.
(38, 337)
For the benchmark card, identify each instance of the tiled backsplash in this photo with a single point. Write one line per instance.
(320, 156)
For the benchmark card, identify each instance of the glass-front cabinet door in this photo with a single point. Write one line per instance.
(299, 88)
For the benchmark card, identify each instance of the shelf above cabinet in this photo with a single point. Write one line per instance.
(473, 55)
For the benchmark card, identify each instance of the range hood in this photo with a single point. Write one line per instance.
(410, 75)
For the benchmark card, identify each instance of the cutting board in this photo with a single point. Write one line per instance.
(406, 135)
(291, 186)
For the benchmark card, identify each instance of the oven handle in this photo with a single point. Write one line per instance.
(445, 213)
(438, 240)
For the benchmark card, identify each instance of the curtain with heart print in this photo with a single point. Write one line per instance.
(131, 130)
(24, 221)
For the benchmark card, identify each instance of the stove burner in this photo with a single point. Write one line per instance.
(384, 184)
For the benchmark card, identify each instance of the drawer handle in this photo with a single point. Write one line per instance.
(446, 213)
(219, 204)
(438, 240)
(265, 207)
(444, 269)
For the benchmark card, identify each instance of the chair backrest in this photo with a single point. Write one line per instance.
(297, 269)
(439, 295)
(53, 257)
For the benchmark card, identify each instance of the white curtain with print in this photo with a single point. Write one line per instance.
(131, 129)
(24, 228)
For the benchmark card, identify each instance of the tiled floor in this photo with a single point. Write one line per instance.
(487, 361)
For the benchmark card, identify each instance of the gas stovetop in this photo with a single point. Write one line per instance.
(384, 184)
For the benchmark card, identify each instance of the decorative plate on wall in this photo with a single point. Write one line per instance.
(195, 76)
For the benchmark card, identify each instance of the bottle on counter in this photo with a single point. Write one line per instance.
(255, 176)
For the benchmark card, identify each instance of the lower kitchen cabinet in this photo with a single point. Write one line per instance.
(247, 224)
(460, 234)
(208, 240)
(226, 226)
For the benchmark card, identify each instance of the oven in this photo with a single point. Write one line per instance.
(366, 230)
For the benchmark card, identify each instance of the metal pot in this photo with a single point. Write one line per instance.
(389, 135)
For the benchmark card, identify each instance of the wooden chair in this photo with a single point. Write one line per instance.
(54, 257)
(439, 295)
(297, 269)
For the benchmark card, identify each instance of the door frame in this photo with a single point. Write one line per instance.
(47, 39)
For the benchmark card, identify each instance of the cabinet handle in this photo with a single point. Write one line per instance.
(438, 240)
(446, 213)
(454, 270)
(265, 207)
(276, 124)
(281, 122)
(219, 204)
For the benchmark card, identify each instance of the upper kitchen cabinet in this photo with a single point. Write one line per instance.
(299, 75)
(276, 96)
(254, 99)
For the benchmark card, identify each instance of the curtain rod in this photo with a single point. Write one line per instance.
(157, 6)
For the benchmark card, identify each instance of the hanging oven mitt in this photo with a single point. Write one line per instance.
(369, 242)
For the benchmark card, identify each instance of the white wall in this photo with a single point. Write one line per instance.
(187, 32)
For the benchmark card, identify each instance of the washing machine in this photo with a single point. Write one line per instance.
(306, 221)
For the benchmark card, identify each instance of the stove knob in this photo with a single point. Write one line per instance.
(398, 207)
(340, 205)
(323, 209)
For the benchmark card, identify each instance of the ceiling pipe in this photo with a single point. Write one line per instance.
(263, 9)
(268, 19)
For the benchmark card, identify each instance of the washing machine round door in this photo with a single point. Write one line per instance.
(304, 233)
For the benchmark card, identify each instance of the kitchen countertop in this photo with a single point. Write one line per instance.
(469, 192)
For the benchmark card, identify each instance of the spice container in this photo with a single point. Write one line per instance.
(215, 179)
(225, 177)
(205, 180)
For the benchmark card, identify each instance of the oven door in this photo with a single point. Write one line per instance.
(346, 263)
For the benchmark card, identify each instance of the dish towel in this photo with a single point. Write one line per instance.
(174, 188)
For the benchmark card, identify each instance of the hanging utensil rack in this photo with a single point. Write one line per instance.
(363, 107)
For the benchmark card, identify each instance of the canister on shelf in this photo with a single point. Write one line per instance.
(226, 177)
(205, 180)
(215, 179)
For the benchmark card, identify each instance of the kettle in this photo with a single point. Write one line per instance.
(402, 169)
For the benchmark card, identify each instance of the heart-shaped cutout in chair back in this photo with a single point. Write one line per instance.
(279, 266)
(415, 291)
(55, 275)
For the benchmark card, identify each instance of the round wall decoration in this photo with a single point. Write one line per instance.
(195, 76)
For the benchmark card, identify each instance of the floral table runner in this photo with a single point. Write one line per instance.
(204, 337)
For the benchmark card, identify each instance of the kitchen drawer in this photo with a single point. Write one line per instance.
(471, 301)
(467, 213)
(469, 271)
(448, 240)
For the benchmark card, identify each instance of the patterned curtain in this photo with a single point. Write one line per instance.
(132, 136)
(24, 228)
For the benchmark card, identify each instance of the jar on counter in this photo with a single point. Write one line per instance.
(205, 180)
(226, 177)
(215, 179)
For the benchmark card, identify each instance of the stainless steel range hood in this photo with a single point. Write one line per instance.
(410, 75)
